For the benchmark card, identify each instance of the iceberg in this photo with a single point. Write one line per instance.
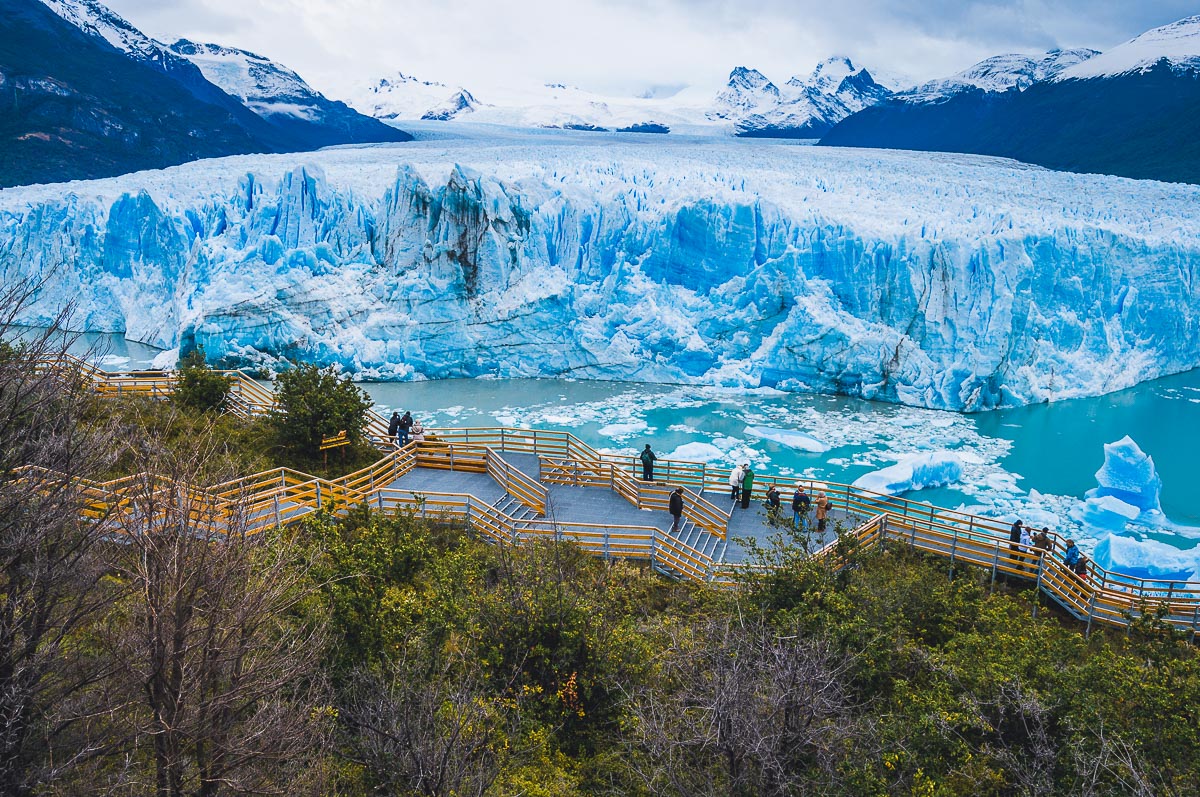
(913, 472)
(945, 281)
(1128, 475)
(1149, 559)
(788, 437)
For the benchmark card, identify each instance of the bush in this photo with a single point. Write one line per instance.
(313, 403)
(199, 388)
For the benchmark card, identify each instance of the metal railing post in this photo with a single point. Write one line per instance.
(953, 550)
(995, 566)
(318, 495)
(1091, 613)
(276, 509)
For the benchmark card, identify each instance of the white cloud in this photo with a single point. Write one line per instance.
(630, 45)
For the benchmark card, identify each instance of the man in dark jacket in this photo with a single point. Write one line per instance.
(675, 507)
(394, 427)
(800, 505)
(648, 463)
(403, 428)
(1014, 537)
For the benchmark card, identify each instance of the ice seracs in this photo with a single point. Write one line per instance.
(954, 282)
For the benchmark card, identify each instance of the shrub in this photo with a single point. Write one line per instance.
(199, 388)
(313, 403)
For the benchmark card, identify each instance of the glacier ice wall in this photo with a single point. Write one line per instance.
(939, 281)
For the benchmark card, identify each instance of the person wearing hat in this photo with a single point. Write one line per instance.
(675, 507)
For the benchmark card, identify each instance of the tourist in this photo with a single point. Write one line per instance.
(675, 507)
(403, 428)
(800, 504)
(1014, 543)
(418, 431)
(1042, 540)
(1071, 555)
(735, 483)
(772, 503)
(747, 485)
(1026, 543)
(822, 511)
(1081, 567)
(394, 428)
(648, 464)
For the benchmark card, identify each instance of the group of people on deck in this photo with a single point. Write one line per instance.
(741, 490)
(1023, 540)
(405, 429)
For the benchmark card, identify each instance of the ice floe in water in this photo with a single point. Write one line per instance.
(788, 437)
(914, 472)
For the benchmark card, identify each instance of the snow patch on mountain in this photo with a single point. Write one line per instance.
(402, 96)
(998, 74)
(96, 19)
(1178, 44)
(264, 86)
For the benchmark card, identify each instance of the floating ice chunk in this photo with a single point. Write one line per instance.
(788, 437)
(697, 452)
(622, 430)
(914, 472)
(114, 360)
(1147, 558)
(1128, 474)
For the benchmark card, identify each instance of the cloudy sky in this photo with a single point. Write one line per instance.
(629, 46)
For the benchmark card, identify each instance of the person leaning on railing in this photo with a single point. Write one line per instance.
(1075, 561)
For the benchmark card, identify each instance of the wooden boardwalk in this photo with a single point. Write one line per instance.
(513, 486)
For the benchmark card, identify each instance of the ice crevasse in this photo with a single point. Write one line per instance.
(952, 282)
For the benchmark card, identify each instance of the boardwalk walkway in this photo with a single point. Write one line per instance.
(517, 485)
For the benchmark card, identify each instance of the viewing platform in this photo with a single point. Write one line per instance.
(516, 485)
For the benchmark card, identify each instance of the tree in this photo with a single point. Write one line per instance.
(51, 576)
(314, 403)
(217, 650)
(198, 386)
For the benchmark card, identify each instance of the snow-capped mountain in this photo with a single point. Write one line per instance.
(804, 107)
(406, 97)
(1133, 111)
(300, 117)
(1178, 44)
(265, 87)
(999, 73)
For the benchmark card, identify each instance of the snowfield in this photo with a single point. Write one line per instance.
(946, 281)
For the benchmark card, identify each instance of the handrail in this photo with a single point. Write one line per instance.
(958, 535)
(517, 484)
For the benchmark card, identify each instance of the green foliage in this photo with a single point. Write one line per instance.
(314, 403)
(198, 387)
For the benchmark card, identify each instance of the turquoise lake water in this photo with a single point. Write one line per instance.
(1053, 449)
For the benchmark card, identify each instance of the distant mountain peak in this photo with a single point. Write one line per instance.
(1178, 44)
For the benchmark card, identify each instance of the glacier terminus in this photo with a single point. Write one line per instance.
(944, 281)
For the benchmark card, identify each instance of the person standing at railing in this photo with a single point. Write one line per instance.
(402, 429)
(747, 485)
(418, 432)
(648, 464)
(800, 506)
(822, 511)
(394, 428)
(675, 507)
(735, 483)
(1014, 543)
(1026, 544)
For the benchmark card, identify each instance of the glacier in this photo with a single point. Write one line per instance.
(944, 281)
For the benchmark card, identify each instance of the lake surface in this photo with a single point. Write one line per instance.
(1035, 461)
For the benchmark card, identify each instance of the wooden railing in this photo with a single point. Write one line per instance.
(1106, 597)
(515, 483)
